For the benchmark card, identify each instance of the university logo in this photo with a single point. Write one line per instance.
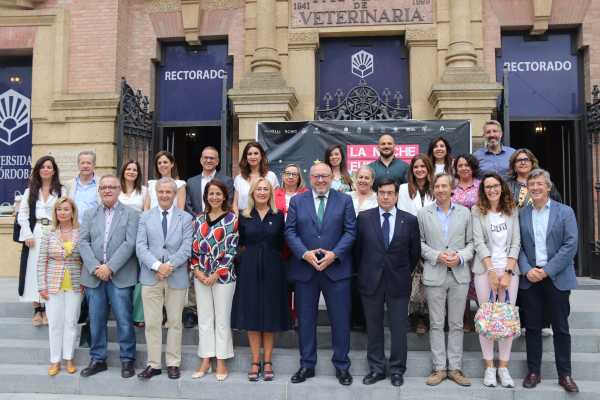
(14, 117)
(362, 64)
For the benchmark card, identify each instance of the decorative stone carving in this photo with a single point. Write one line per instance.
(208, 5)
(19, 4)
(421, 34)
(303, 40)
(190, 13)
(163, 6)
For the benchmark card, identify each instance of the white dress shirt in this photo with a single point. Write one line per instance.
(168, 217)
(392, 220)
(318, 201)
(204, 181)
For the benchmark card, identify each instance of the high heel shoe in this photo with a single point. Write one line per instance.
(271, 373)
(199, 374)
(37, 321)
(221, 377)
(44, 316)
(253, 376)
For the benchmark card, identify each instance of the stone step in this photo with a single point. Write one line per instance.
(32, 378)
(585, 365)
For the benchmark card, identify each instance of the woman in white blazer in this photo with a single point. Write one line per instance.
(497, 239)
(413, 196)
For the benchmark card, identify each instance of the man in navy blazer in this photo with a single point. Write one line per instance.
(549, 244)
(387, 250)
(321, 230)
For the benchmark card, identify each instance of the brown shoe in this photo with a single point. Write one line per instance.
(532, 380)
(568, 384)
(149, 372)
(173, 372)
(436, 377)
(458, 377)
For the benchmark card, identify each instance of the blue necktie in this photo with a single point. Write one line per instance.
(386, 230)
(164, 223)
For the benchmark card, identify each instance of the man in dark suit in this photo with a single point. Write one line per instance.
(387, 250)
(194, 205)
(320, 230)
(549, 244)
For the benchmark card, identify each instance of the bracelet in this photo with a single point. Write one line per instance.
(491, 270)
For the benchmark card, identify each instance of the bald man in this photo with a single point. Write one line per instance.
(388, 166)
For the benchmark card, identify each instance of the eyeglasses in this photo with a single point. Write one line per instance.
(384, 193)
(319, 177)
(209, 158)
(522, 160)
(495, 187)
(534, 184)
(110, 188)
(292, 174)
(492, 131)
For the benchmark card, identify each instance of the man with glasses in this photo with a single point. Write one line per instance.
(109, 274)
(387, 250)
(494, 157)
(446, 246)
(83, 189)
(320, 231)
(549, 244)
(194, 205)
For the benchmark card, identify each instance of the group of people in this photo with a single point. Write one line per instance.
(423, 238)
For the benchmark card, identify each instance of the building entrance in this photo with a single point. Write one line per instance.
(186, 145)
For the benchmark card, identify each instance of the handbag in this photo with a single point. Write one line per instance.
(498, 321)
(7, 209)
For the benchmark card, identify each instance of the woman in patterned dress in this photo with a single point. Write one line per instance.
(335, 158)
(213, 252)
(466, 168)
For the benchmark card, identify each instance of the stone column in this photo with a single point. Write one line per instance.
(302, 46)
(460, 51)
(265, 57)
(422, 44)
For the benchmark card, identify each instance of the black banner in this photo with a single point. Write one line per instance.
(304, 142)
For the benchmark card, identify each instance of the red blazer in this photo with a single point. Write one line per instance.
(280, 204)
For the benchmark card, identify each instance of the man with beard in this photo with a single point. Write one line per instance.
(494, 157)
(388, 166)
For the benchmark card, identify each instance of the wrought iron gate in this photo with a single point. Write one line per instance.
(136, 130)
(226, 131)
(593, 128)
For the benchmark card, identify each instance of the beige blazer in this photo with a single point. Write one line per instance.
(71, 187)
(482, 237)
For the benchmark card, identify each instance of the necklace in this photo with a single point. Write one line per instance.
(254, 175)
(61, 231)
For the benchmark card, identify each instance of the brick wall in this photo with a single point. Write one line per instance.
(17, 40)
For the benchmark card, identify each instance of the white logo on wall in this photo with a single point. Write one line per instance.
(362, 64)
(14, 117)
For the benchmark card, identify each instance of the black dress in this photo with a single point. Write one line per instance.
(260, 302)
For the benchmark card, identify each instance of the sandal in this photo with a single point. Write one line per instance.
(253, 376)
(139, 324)
(421, 327)
(271, 373)
(466, 327)
(44, 316)
(221, 377)
(37, 321)
(200, 374)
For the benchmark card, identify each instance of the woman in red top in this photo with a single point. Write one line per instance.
(291, 184)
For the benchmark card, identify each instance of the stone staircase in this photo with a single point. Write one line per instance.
(24, 361)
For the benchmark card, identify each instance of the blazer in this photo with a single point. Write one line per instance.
(280, 199)
(152, 246)
(120, 248)
(399, 260)
(194, 192)
(52, 262)
(71, 187)
(515, 186)
(482, 238)
(460, 240)
(561, 246)
(337, 233)
(405, 203)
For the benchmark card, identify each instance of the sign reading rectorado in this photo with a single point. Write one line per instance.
(315, 13)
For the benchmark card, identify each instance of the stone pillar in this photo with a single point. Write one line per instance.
(302, 46)
(265, 57)
(422, 44)
(460, 51)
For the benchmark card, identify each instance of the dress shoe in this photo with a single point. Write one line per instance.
(191, 320)
(173, 372)
(302, 374)
(343, 376)
(149, 372)
(373, 377)
(94, 368)
(397, 379)
(531, 381)
(127, 370)
(568, 383)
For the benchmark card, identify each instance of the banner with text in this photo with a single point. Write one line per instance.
(304, 142)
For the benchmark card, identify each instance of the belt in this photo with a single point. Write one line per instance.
(43, 221)
(449, 269)
(539, 267)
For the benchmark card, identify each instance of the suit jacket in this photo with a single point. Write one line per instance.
(71, 187)
(405, 203)
(399, 260)
(337, 233)
(52, 262)
(195, 191)
(460, 240)
(120, 248)
(561, 246)
(515, 186)
(484, 245)
(151, 246)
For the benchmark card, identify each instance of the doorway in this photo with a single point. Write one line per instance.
(187, 143)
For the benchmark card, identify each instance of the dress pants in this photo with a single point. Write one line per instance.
(214, 322)
(121, 302)
(338, 299)
(374, 313)
(174, 299)
(62, 309)
(456, 293)
(533, 301)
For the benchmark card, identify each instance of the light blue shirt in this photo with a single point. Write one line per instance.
(490, 162)
(85, 196)
(445, 221)
(540, 227)
(392, 220)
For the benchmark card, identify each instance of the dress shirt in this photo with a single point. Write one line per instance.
(392, 220)
(396, 170)
(490, 162)
(85, 196)
(169, 215)
(108, 216)
(204, 181)
(318, 200)
(445, 221)
(540, 227)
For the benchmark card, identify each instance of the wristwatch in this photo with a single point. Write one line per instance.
(511, 272)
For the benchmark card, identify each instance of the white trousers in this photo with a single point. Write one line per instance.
(214, 319)
(62, 310)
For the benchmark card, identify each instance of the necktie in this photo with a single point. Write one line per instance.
(164, 223)
(386, 229)
(321, 209)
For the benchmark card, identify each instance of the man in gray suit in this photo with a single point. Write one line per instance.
(164, 245)
(109, 273)
(446, 246)
(195, 205)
